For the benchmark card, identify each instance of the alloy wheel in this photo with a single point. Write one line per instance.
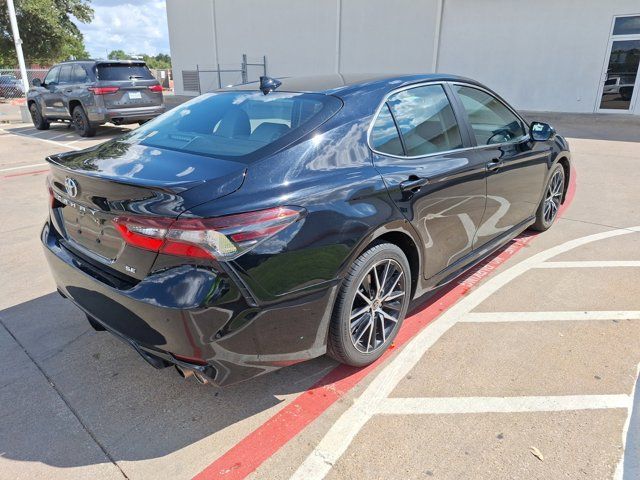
(78, 121)
(377, 305)
(553, 197)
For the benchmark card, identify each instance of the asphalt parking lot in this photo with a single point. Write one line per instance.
(524, 368)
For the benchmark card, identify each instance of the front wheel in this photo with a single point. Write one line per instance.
(548, 208)
(36, 117)
(81, 122)
(371, 306)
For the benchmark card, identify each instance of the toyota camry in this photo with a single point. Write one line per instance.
(266, 224)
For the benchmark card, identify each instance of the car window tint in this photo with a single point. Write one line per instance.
(79, 74)
(384, 134)
(491, 120)
(236, 124)
(65, 74)
(52, 76)
(123, 71)
(426, 120)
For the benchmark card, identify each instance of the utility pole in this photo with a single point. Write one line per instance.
(18, 42)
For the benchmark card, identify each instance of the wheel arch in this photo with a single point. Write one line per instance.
(73, 104)
(397, 233)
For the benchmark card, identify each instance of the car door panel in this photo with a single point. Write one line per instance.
(437, 183)
(516, 166)
(447, 210)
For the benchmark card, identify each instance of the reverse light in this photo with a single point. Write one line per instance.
(155, 88)
(222, 238)
(103, 90)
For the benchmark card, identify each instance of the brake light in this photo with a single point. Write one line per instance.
(103, 90)
(155, 88)
(222, 238)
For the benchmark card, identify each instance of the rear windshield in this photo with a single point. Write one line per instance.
(119, 71)
(236, 124)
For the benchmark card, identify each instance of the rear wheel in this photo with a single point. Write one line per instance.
(548, 208)
(36, 117)
(81, 122)
(371, 306)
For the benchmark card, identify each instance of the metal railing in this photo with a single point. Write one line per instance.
(11, 82)
(205, 78)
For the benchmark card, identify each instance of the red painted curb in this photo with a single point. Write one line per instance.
(253, 450)
(22, 174)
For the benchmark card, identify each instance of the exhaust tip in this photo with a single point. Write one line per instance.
(200, 378)
(184, 372)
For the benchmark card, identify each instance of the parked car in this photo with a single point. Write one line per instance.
(10, 87)
(620, 85)
(91, 93)
(267, 224)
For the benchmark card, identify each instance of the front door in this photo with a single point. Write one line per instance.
(438, 185)
(516, 166)
(620, 80)
(49, 92)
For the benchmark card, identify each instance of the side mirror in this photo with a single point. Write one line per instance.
(36, 82)
(541, 132)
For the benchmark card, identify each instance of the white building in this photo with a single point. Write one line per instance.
(545, 55)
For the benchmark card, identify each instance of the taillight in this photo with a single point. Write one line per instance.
(223, 238)
(103, 90)
(155, 88)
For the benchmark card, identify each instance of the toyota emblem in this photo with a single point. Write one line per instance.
(71, 186)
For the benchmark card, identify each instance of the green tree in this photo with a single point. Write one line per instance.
(117, 55)
(47, 31)
(160, 61)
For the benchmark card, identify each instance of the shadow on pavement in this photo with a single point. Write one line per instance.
(135, 411)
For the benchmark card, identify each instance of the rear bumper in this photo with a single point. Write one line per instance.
(196, 313)
(124, 115)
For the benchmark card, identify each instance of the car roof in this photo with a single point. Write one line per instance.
(345, 84)
(99, 62)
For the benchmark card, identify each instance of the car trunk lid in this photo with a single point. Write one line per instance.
(93, 188)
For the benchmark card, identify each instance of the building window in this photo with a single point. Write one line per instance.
(627, 25)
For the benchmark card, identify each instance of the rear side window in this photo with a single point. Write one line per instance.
(384, 134)
(236, 124)
(79, 74)
(123, 71)
(491, 120)
(426, 120)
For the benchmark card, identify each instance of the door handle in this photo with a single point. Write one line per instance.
(413, 183)
(495, 164)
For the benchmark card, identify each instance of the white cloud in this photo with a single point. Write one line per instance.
(133, 26)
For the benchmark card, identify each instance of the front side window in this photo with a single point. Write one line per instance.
(426, 120)
(236, 124)
(491, 121)
(384, 134)
(52, 76)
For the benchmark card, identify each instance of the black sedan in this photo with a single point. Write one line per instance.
(270, 223)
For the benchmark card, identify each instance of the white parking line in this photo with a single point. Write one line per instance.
(343, 431)
(590, 264)
(33, 165)
(20, 134)
(500, 317)
(444, 405)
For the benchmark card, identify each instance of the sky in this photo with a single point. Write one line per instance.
(135, 26)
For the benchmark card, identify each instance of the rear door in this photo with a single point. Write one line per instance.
(137, 87)
(437, 183)
(516, 166)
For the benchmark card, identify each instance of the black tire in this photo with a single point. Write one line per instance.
(142, 122)
(554, 193)
(81, 122)
(36, 117)
(341, 342)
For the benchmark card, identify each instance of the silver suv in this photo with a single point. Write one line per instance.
(92, 92)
